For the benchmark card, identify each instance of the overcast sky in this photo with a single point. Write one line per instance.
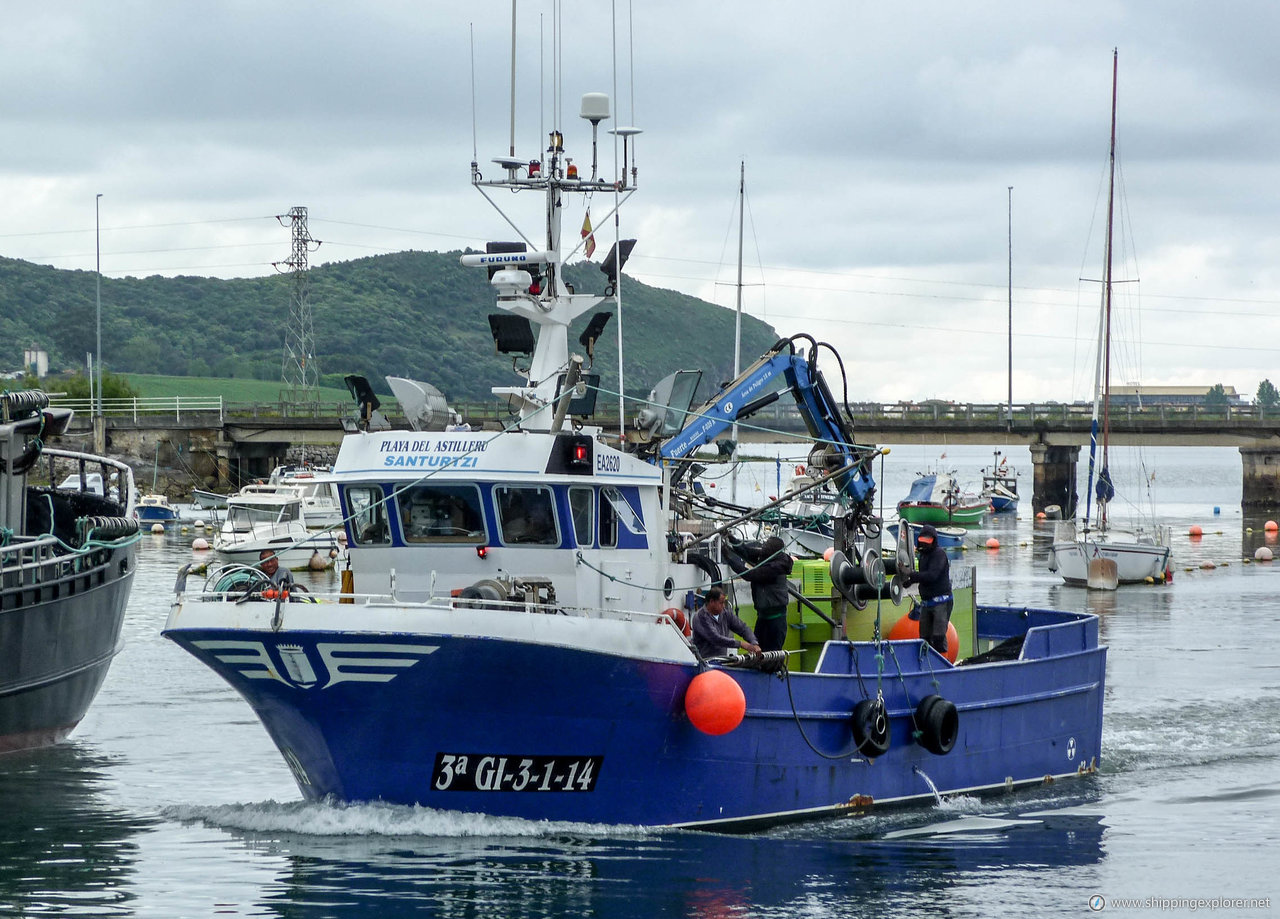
(880, 142)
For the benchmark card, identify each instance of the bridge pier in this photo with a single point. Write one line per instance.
(1054, 477)
(1260, 488)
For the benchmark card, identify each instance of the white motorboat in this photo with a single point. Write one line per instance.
(273, 517)
(319, 494)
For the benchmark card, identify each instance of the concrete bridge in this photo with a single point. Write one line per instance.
(231, 443)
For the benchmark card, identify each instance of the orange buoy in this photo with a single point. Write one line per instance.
(1271, 526)
(1195, 531)
(714, 702)
(993, 543)
(1040, 515)
(830, 551)
(906, 628)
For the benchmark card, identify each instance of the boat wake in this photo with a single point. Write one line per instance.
(1194, 734)
(306, 818)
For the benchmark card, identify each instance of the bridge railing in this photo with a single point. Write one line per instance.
(778, 415)
(135, 408)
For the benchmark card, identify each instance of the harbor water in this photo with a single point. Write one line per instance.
(171, 801)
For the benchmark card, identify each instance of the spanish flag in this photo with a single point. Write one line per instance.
(590, 247)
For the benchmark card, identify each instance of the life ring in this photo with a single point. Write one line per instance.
(938, 724)
(951, 501)
(680, 619)
(800, 469)
(871, 727)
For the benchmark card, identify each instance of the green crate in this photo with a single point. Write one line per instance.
(815, 577)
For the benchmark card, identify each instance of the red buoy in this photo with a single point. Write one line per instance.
(714, 702)
(1195, 531)
(907, 628)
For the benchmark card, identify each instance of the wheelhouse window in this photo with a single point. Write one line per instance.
(582, 507)
(609, 518)
(526, 516)
(441, 514)
(368, 515)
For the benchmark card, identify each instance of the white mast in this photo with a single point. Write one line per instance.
(737, 325)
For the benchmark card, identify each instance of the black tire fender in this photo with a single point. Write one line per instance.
(871, 727)
(938, 723)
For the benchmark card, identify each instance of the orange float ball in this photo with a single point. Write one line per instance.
(906, 629)
(830, 551)
(993, 543)
(714, 702)
(1271, 526)
(1040, 515)
(1195, 530)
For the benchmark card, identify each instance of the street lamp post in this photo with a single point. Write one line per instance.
(99, 423)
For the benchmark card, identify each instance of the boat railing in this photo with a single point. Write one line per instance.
(58, 460)
(27, 561)
(455, 604)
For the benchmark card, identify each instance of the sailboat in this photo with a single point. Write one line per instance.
(1095, 554)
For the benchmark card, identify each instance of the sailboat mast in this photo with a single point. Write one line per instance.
(1010, 307)
(737, 322)
(1106, 284)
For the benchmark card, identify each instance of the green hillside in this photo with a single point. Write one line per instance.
(414, 314)
(159, 386)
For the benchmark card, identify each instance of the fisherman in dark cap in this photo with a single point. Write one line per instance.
(768, 579)
(934, 578)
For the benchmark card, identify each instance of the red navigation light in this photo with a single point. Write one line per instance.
(482, 551)
(580, 453)
(534, 168)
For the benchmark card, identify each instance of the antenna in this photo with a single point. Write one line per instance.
(512, 152)
(475, 155)
(300, 373)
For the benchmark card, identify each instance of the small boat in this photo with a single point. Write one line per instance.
(155, 509)
(936, 498)
(1094, 553)
(319, 495)
(66, 569)
(511, 637)
(208, 500)
(1000, 485)
(272, 517)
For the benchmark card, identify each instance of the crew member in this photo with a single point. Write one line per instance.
(269, 565)
(934, 578)
(715, 628)
(769, 592)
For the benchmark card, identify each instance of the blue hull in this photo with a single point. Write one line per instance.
(157, 514)
(1003, 505)
(545, 732)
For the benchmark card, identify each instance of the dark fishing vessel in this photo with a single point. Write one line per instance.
(67, 559)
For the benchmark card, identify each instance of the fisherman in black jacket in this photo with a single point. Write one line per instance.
(769, 592)
(934, 578)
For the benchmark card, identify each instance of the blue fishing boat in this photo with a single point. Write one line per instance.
(1000, 485)
(155, 509)
(511, 633)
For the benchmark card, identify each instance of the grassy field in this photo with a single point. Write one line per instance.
(156, 386)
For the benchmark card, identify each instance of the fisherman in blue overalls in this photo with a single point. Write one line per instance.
(934, 578)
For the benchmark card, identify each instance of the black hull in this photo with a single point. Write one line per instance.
(60, 621)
